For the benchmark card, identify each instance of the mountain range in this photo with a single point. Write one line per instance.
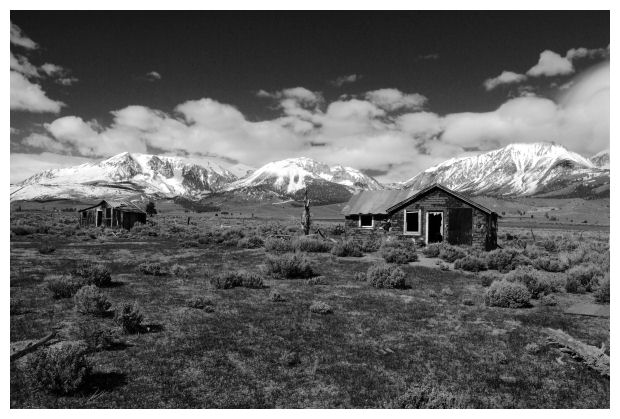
(541, 169)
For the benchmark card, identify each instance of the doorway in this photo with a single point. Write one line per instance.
(99, 217)
(434, 227)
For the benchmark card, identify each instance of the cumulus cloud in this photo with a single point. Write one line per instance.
(342, 80)
(579, 53)
(393, 99)
(153, 76)
(20, 39)
(506, 77)
(551, 64)
(28, 96)
(45, 143)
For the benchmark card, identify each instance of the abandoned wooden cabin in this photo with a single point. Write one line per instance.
(432, 215)
(114, 214)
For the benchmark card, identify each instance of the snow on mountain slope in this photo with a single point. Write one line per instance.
(601, 159)
(291, 175)
(517, 169)
(125, 174)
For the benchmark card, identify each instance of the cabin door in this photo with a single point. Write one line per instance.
(99, 217)
(460, 226)
(434, 227)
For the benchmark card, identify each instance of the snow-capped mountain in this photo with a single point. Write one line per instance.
(291, 177)
(601, 159)
(126, 174)
(515, 170)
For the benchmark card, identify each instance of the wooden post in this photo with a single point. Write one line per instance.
(305, 217)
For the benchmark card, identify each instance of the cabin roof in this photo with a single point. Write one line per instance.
(387, 201)
(120, 205)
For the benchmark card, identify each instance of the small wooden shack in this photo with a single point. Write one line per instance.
(114, 214)
(432, 215)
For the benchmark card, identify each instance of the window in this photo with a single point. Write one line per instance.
(412, 222)
(366, 221)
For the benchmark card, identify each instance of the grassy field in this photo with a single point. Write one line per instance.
(377, 348)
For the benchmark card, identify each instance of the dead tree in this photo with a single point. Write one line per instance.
(305, 216)
(594, 357)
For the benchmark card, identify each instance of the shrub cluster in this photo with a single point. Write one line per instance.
(312, 245)
(275, 296)
(59, 369)
(487, 278)
(386, 276)
(129, 317)
(601, 294)
(151, 268)
(93, 273)
(471, 263)
(240, 278)
(63, 286)
(550, 264)
(582, 278)
(428, 397)
(320, 307)
(537, 284)
(46, 248)
(507, 294)
(89, 300)
(200, 303)
(290, 265)
(252, 242)
(501, 260)
(432, 250)
(317, 280)
(278, 245)
(371, 243)
(347, 248)
(399, 251)
(450, 253)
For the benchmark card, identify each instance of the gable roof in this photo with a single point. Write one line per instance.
(387, 201)
(457, 195)
(375, 202)
(121, 205)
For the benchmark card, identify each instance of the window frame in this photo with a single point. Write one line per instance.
(372, 221)
(412, 233)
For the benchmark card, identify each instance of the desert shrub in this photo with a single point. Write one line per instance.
(532, 348)
(601, 294)
(337, 230)
(347, 248)
(444, 266)
(583, 278)
(471, 263)
(129, 317)
(450, 253)
(93, 273)
(178, 270)
(317, 280)
(275, 297)
(240, 278)
(289, 265)
(428, 397)
(549, 300)
(98, 337)
(360, 276)
(468, 301)
(59, 369)
(200, 303)
(279, 245)
(507, 294)
(22, 230)
(63, 286)
(252, 242)
(537, 283)
(550, 246)
(500, 259)
(190, 243)
(399, 251)
(320, 307)
(306, 244)
(447, 291)
(89, 300)
(432, 250)
(487, 278)
(371, 243)
(208, 239)
(520, 260)
(151, 268)
(550, 264)
(46, 248)
(386, 276)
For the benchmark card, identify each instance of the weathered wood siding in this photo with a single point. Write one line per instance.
(439, 201)
(354, 232)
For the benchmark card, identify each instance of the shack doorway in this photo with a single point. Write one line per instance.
(99, 217)
(434, 227)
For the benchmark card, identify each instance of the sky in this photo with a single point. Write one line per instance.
(389, 93)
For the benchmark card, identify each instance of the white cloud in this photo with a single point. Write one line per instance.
(153, 76)
(579, 53)
(28, 96)
(506, 77)
(67, 81)
(52, 69)
(551, 64)
(20, 39)
(393, 100)
(21, 64)
(44, 142)
(342, 80)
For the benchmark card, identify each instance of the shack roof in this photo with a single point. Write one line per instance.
(120, 205)
(388, 201)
